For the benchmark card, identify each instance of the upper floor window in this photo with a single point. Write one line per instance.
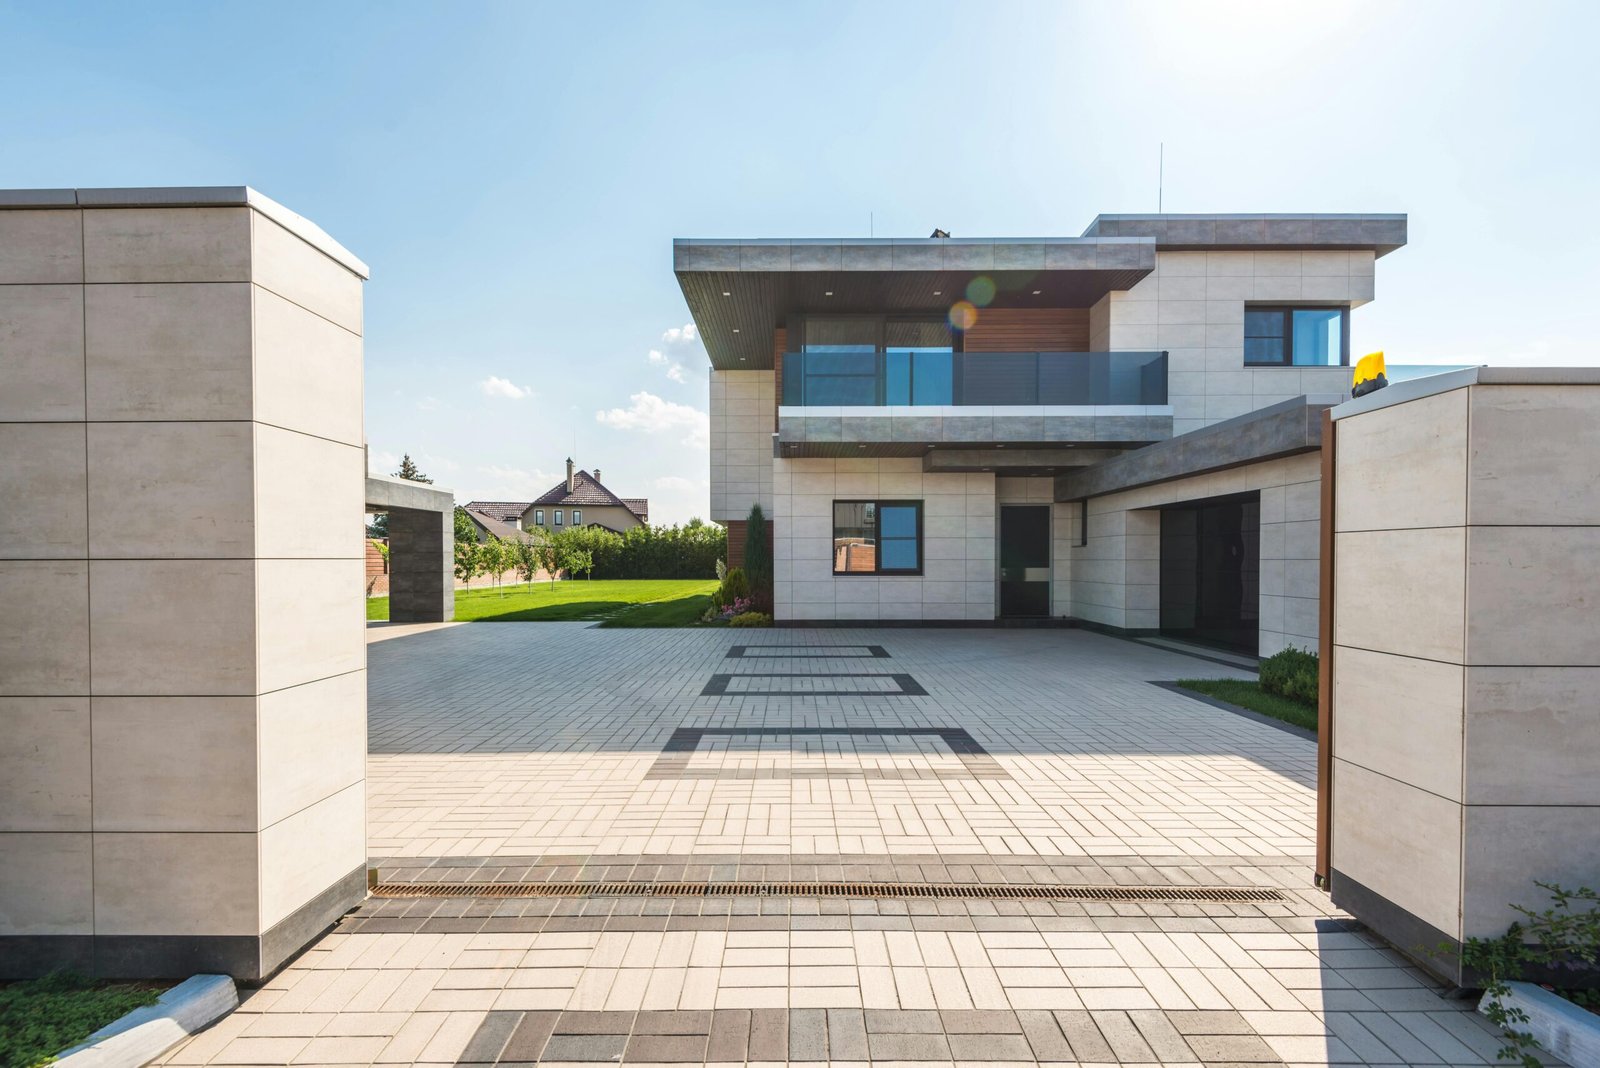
(877, 537)
(558, 517)
(1282, 336)
(538, 517)
(870, 361)
(577, 517)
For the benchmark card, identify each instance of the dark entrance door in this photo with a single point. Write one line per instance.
(1211, 572)
(1024, 560)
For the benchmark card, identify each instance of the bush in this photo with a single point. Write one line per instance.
(758, 559)
(645, 552)
(734, 586)
(751, 619)
(1291, 673)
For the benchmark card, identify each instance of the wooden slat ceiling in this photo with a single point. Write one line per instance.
(737, 329)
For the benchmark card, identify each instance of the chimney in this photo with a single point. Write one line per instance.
(572, 482)
(597, 474)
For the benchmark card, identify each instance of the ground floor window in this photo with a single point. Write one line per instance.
(877, 537)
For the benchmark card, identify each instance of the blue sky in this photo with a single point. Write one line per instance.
(515, 173)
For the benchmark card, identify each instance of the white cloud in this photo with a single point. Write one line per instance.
(381, 461)
(681, 335)
(672, 368)
(495, 386)
(651, 414)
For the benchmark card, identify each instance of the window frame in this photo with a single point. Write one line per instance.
(878, 504)
(538, 517)
(577, 517)
(557, 518)
(1287, 312)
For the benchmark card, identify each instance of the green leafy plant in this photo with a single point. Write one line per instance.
(751, 619)
(1563, 938)
(41, 1017)
(735, 586)
(1291, 673)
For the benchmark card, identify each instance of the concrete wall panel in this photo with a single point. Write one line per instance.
(168, 351)
(41, 347)
(44, 764)
(1404, 466)
(175, 764)
(167, 244)
(42, 513)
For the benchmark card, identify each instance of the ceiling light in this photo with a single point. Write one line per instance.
(726, 293)
(1036, 292)
(827, 292)
(938, 292)
(736, 330)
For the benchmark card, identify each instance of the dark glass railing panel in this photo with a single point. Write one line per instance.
(975, 378)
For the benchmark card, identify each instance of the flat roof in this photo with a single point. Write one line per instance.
(1428, 385)
(740, 289)
(205, 196)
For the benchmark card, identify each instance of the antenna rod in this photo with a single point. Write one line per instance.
(1161, 176)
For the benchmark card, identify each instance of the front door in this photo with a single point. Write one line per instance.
(1024, 561)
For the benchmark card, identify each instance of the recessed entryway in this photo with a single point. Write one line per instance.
(1024, 561)
(1211, 572)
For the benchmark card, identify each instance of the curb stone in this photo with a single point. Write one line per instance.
(1557, 1025)
(146, 1033)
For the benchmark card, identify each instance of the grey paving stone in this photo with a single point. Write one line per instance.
(491, 1037)
(808, 1035)
(904, 1021)
(730, 1035)
(1044, 1035)
(980, 1022)
(847, 1035)
(681, 1049)
(528, 1040)
(577, 1022)
(769, 1035)
(908, 1047)
(990, 1048)
(1237, 1048)
(1208, 1022)
(1163, 1038)
(673, 1022)
(585, 1047)
(1124, 1038)
(1088, 1044)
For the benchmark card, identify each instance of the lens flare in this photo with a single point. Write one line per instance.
(981, 291)
(963, 316)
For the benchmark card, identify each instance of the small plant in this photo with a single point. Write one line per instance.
(734, 585)
(1564, 937)
(1291, 673)
(751, 619)
(722, 570)
(41, 1017)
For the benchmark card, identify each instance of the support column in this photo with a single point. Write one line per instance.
(421, 566)
(182, 651)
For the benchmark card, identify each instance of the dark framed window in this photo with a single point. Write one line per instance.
(538, 517)
(558, 517)
(877, 537)
(577, 517)
(1289, 336)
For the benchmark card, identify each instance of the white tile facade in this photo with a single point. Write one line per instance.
(958, 579)
(1192, 306)
(743, 413)
(1115, 578)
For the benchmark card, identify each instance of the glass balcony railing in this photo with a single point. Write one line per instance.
(914, 377)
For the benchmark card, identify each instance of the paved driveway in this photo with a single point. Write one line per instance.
(963, 764)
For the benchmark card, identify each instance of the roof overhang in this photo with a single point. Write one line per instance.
(1288, 232)
(740, 291)
(1284, 429)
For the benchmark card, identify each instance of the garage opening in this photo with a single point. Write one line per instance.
(1211, 572)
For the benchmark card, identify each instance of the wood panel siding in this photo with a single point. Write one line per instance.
(780, 338)
(1029, 330)
(738, 531)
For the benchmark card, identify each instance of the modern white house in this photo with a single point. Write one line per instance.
(1118, 429)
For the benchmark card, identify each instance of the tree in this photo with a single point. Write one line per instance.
(465, 529)
(410, 472)
(491, 553)
(549, 554)
(466, 560)
(758, 560)
(379, 527)
(525, 553)
(580, 561)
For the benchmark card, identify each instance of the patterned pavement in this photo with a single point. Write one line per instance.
(556, 754)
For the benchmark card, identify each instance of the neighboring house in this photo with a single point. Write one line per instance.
(580, 501)
(1119, 429)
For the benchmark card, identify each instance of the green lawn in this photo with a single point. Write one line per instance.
(42, 1017)
(617, 602)
(1249, 694)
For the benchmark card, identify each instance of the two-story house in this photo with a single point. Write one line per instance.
(582, 500)
(1119, 429)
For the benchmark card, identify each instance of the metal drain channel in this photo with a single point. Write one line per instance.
(757, 889)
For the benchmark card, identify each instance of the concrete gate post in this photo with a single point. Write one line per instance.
(1465, 652)
(182, 653)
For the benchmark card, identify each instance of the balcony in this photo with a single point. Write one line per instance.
(897, 403)
(920, 377)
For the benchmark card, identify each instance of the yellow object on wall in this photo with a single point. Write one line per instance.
(1368, 376)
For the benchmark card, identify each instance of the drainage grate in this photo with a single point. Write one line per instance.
(756, 889)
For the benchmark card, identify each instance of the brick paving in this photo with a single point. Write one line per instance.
(552, 753)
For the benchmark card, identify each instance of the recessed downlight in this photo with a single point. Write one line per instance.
(1036, 292)
(938, 292)
(726, 293)
(736, 330)
(827, 292)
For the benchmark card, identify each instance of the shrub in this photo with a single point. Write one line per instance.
(758, 559)
(751, 619)
(734, 586)
(1291, 673)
